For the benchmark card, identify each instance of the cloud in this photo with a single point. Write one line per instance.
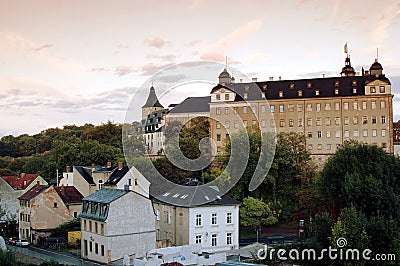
(98, 69)
(171, 78)
(150, 69)
(45, 46)
(192, 43)
(123, 46)
(380, 32)
(217, 57)
(234, 37)
(123, 70)
(156, 42)
(167, 57)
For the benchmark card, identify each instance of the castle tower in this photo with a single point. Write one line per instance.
(152, 104)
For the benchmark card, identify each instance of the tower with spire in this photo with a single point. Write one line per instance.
(152, 103)
(347, 70)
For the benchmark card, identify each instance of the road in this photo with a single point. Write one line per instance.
(45, 254)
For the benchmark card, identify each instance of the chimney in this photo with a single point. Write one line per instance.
(93, 167)
(240, 80)
(280, 78)
(254, 79)
(271, 78)
(23, 175)
(68, 169)
(323, 75)
(120, 165)
(109, 164)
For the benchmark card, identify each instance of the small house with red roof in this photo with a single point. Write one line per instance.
(43, 208)
(12, 187)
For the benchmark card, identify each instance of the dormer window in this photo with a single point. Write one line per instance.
(245, 95)
(280, 94)
(218, 97)
(316, 92)
(309, 84)
(246, 88)
(299, 93)
(291, 85)
(336, 84)
(354, 90)
(265, 86)
(263, 95)
(336, 91)
(354, 83)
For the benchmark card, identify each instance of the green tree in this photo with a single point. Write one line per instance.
(256, 213)
(63, 229)
(7, 258)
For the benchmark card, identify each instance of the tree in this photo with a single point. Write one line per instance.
(63, 229)
(7, 258)
(256, 213)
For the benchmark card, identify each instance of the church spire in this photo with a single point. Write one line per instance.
(152, 103)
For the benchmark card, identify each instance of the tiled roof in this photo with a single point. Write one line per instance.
(69, 194)
(117, 175)
(33, 192)
(21, 182)
(193, 105)
(105, 195)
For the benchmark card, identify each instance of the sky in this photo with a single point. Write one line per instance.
(74, 62)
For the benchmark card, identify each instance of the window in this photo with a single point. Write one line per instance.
(158, 215)
(300, 122)
(229, 218)
(213, 218)
(95, 227)
(355, 120)
(318, 107)
(90, 226)
(280, 94)
(382, 89)
(218, 110)
(328, 147)
(374, 132)
(198, 219)
(244, 109)
(263, 123)
(373, 104)
(365, 133)
(354, 90)
(218, 137)
(373, 120)
(169, 218)
(364, 105)
(336, 91)
(319, 147)
(365, 120)
(299, 108)
(236, 124)
(310, 146)
(372, 89)
(346, 106)
(355, 133)
(328, 134)
(309, 107)
(309, 135)
(355, 105)
(55, 205)
(102, 250)
(227, 124)
(218, 125)
(281, 108)
(93, 207)
(299, 93)
(226, 110)
(96, 248)
(327, 107)
(229, 239)
(218, 97)
(346, 134)
(291, 122)
(383, 105)
(198, 239)
(309, 84)
(337, 106)
(309, 122)
(254, 109)
(383, 132)
(102, 229)
(272, 107)
(319, 134)
(84, 224)
(337, 133)
(327, 121)
(272, 122)
(100, 184)
(226, 97)
(282, 123)
(337, 121)
(214, 240)
(290, 107)
(316, 92)
(90, 246)
(262, 108)
(383, 119)
(346, 120)
(245, 95)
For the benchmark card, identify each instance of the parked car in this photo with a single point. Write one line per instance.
(22, 243)
(55, 242)
(12, 241)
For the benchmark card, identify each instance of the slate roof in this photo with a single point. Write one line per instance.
(21, 182)
(193, 105)
(106, 195)
(152, 100)
(117, 175)
(191, 196)
(33, 192)
(69, 194)
(86, 172)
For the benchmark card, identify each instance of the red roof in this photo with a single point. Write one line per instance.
(69, 194)
(33, 192)
(21, 182)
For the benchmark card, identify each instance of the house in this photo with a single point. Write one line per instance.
(181, 220)
(116, 223)
(12, 187)
(43, 208)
